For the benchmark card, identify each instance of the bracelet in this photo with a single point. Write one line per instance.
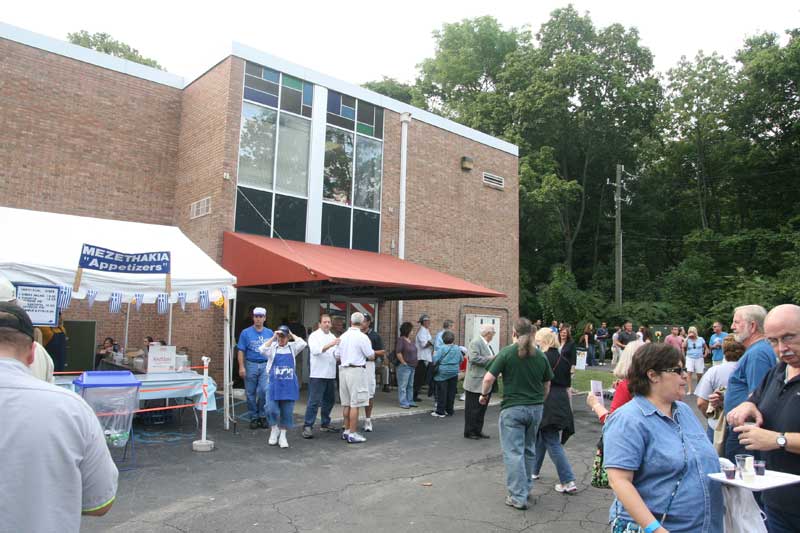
(652, 527)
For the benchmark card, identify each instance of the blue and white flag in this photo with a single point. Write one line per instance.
(115, 302)
(224, 291)
(91, 294)
(64, 297)
(139, 299)
(204, 300)
(162, 303)
(182, 300)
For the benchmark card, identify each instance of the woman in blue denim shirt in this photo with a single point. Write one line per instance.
(657, 455)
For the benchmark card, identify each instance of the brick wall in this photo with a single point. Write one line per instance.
(454, 223)
(208, 149)
(83, 140)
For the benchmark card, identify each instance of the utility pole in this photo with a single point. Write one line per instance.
(618, 236)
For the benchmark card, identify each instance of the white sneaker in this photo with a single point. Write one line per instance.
(368, 426)
(463, 397)
(569, 488)
(282, 442)
(273, 436)
(355, 438)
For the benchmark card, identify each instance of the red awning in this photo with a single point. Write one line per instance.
(316, 270)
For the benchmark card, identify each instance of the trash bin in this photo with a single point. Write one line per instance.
(114, 396)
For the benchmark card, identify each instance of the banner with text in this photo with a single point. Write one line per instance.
(97, 258)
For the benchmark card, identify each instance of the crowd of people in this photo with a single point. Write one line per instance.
(656, 454)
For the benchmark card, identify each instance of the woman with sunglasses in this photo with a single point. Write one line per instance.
(657, 455)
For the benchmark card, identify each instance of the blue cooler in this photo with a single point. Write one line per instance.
(114, 396)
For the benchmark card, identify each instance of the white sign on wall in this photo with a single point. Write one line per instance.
(160, 358)
(40, 302)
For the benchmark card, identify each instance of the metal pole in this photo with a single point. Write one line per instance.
(127, 318)
(405, 119)
(226, 367)
(618, 236)
(169, 331)
(204, 445)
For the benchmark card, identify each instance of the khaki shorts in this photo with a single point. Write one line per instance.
(695, 364)
(371, 378)
(353, 388)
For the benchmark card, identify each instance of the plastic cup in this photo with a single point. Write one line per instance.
(760, 467)
(729, 471)
(741, 463)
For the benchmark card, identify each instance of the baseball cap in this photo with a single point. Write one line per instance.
(284, 330)
(19, 319)
(260, 311)
(7, 291)
(423, 318)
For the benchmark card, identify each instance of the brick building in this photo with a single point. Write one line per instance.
(257, 145)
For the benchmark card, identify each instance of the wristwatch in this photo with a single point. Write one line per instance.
(781, 440)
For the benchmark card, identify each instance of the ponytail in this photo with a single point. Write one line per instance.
(526, 332)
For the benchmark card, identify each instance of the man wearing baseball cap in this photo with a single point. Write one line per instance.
(42, 366)
(253, 367)
(56, 464)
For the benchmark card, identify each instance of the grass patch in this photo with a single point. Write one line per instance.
(580, 381)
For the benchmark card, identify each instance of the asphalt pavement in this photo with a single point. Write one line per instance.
(415, 473)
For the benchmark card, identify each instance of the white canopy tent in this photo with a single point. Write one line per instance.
(26, 256)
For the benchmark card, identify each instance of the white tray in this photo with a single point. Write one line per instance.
(770, 480)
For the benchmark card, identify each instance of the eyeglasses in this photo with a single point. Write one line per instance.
(786, 339)
(676, 370)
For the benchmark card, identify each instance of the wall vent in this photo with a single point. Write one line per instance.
(200, 208)
(491, 180)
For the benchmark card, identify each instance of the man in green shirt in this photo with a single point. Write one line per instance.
(526, 383)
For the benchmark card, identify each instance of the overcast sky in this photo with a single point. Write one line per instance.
(358, 41)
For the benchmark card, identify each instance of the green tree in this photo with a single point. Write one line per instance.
(392, 88)
(103, 42)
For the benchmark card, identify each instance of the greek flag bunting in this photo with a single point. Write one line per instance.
(162, 303)
(115, 302)
(139, 299)
(64, 297)
(182, 300)
(204, 300)
(91, 294)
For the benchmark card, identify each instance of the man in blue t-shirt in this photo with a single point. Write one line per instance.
(757, 361)
(715, 343)
(253, 367)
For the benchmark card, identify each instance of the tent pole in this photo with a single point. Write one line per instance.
(127, 319)
(226, 367)
(169, 331)
(230, 416)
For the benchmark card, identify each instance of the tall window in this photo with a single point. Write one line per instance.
(353, 173)
(274, 151)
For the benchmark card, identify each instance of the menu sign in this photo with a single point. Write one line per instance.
(40, 302)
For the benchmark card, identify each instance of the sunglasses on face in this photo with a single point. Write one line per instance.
(676, 370)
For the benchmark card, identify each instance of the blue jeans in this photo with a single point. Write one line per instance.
(518, 427)
(405, 385)
(280, 413)
(321, 393)
(590, 355)
(550, 439)
(602, 349)
(779, 521)
(255, 384)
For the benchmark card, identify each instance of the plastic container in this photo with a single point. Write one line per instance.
(114, 396)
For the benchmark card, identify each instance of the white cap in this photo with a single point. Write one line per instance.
(260, 311)
(7, 290)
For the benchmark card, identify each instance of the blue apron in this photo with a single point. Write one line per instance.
(282, 378)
